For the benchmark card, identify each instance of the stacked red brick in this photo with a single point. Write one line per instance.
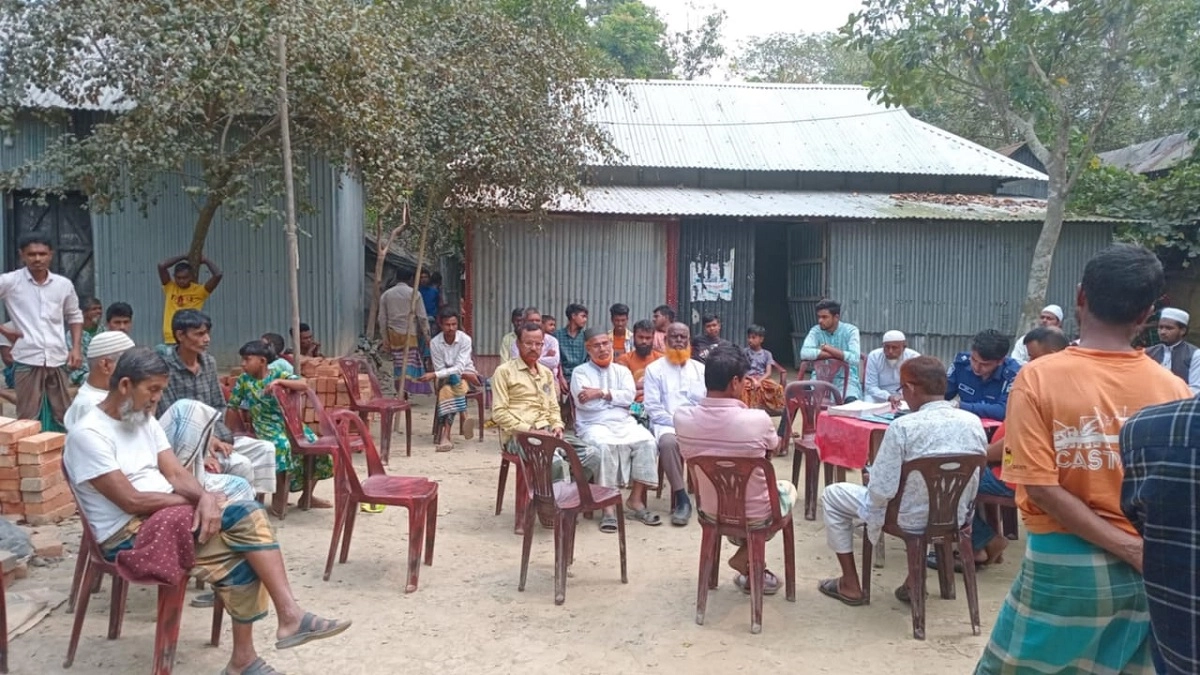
(31, 478)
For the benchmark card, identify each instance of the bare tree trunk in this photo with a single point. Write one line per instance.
(381, 252)
(200, 230)
(1043, 251)
(293, 246)
(416, 296)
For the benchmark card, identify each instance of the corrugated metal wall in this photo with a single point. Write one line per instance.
(941, 283)
(715, 242)
(29, 140)
(253, 296)
(593, 261)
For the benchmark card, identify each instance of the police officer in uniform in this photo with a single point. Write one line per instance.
(982, 377)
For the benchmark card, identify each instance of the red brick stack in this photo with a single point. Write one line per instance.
(31, 475)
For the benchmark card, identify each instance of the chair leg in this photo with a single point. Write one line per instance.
(970, 582)
(706, 564)
(758, 567)
(479, 421)
(811, 481)
(526, 546)
(714, 573)
(946, 569)
(797, 460)
(621, 542)
(560, 559)
(3, 629)
(91, 573)
(500, 482)
(166, 633)
(416, 544)
(868, 551)
(217, 617)
(521, 500)
(116, 611)
(341, 507)
(916, 547)
(386, 419)
(306, 493)
(430, 530)
(408, 432)
(658, 490)
(789, 560)
(351, 515)
(77, 580)
(1008, 517)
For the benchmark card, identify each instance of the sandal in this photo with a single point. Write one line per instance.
(204, 600)
(643, 515)
(309, 631)
(770, 583)
(830, 588)
(371, 508)
(901, 594)
(608, 524)
(256, 667)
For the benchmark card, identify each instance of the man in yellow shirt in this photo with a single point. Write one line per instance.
(180, 290)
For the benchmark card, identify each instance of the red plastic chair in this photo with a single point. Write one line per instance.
(476, 395)
(808, 398)
(418, 495)
(730, 477)
(1000, 513)
(3, 628)
(291, 404)
(946, 477)
(521, 497)
(170, 603)
(566, 500)
(827, 370)
(378, 403)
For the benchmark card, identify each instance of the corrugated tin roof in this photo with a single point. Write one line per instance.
(784, 127)
(1159, 154)
(108, 100)
(667, 201)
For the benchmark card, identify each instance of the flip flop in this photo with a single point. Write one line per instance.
(444, 447)
(371, 508)
(204, 600)
(830, 588)
(743, 582)
(608, 524)
(644, 516)
(308, 631)
(256, 667)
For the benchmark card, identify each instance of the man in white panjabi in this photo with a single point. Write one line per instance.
(1172, 351)
(103, 352)
(883, 368)
(670, 384)
(603, 392)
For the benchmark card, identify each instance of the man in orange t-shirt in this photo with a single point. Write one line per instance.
(1078, 603)
(642, 354)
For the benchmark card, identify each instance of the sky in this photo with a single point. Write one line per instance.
(749, 18)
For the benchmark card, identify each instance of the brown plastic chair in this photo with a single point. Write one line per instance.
(566, 500)
(291, 405)
(170, 602)
(1000, 513)
(3, 628)
(418, 495)
(730, 477)
(808, 398)
(827, 370)
(521, 497)
(378, 403)
(946, 478)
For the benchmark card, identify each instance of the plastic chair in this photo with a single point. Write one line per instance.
(730, 477)
(566, 499)
(808, 398)
(3, 628)
(418, 495)
(291, 405)
(521, 498)
(378, 403)
(476, 395)
(1000, 513)
(827, 370)
(946, 477)
(170, 603)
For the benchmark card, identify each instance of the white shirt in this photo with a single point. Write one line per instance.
(551, 358)
(883, 378)
(938, 428)
(452, 359)
(602, 421)
(1193, 368)
(42, 313)
(100, 444)
(86, 399)
(667, 387)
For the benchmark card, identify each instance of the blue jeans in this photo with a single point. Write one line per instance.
(981, 532)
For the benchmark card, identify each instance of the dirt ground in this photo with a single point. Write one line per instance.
(468, 616)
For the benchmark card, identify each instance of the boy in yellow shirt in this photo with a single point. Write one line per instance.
(180, 290)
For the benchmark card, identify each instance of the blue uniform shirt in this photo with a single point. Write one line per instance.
(986, 398)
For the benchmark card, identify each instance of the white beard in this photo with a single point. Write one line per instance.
(133, 417)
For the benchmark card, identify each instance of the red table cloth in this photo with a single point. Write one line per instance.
(846, 441)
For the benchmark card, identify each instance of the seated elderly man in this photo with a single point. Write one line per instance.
(126, 476)
(720, 425)
(102, 354)
(454, 370)
(603, 393)
(935, 427)
(883, 368)
(671, 384)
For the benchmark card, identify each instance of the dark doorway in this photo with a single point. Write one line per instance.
(66, 221)
(771, 289)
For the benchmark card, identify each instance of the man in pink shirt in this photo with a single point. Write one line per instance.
(722, 426)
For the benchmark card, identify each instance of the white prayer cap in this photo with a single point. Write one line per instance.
(108, 343)
(1053, 309)
(893, 336)
(1176, 315)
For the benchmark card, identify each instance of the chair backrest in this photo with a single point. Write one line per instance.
(351, 368)
(730, 477)
(88, 540)
(809, 397)
(347, 424)
(291, 406)
(828, 370)
(538, 467)
(946, 477)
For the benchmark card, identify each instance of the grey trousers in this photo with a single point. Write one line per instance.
(672, 461)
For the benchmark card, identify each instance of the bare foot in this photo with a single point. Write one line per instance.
(318, 503)
(995, 550)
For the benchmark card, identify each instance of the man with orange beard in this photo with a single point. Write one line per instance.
(603, 392)
(671, 383)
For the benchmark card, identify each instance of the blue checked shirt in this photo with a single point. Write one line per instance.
(572, 349)
(1160, 448)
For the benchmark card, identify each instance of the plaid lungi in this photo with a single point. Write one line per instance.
(768, 396)
(41, 394)
(1073, 608)
(189, 426)
(452, 397)
(407, 361)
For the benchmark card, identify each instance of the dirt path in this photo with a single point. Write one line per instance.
(469, 617)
